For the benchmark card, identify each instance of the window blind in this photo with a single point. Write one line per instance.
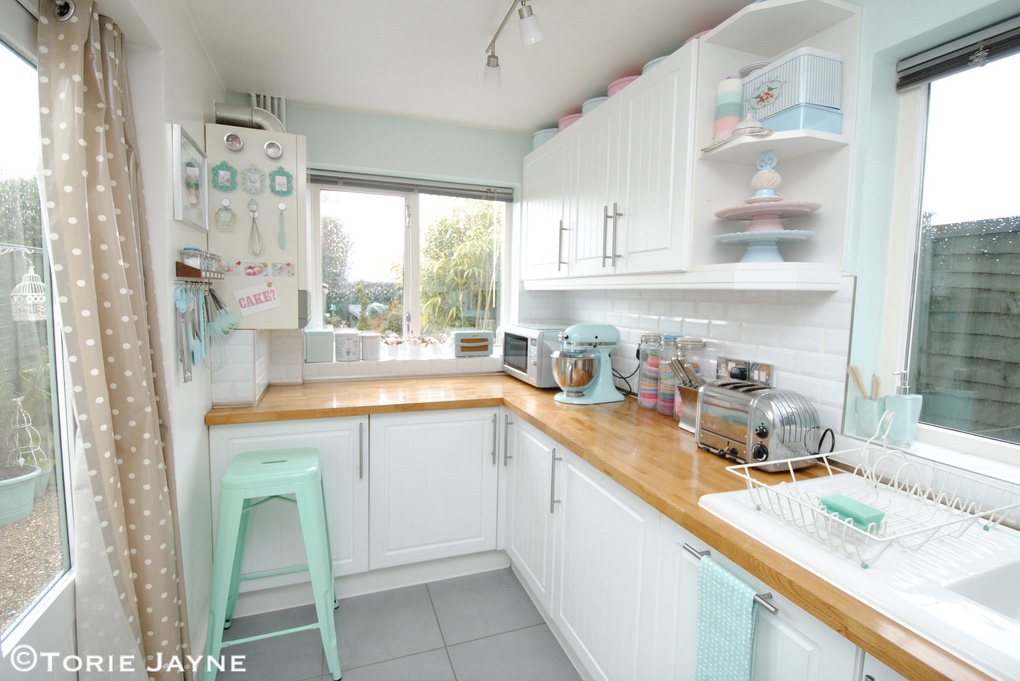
(977, 48)
(397, 184)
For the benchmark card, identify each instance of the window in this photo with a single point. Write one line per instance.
(33, 528)
(410, 260)
(964, 345)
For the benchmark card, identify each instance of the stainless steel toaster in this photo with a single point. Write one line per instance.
(749, 422)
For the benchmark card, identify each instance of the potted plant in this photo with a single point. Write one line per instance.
(17, 475)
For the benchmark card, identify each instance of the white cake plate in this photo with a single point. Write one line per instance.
(766, 216)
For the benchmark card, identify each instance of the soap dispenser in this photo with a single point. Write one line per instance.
(906, 410)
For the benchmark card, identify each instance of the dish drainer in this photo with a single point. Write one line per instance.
(922, 500)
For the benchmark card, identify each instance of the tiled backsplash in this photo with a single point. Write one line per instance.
(246, 373)
(804, 335)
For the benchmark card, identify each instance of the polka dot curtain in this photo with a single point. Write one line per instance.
(129, 582)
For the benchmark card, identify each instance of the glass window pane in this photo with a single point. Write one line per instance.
(33, 535)
(461, 244)
(363, 260)
(965, 341)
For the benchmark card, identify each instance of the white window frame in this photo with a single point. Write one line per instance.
(933, 442)
(412, 256)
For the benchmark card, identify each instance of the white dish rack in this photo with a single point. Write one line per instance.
(922, 500)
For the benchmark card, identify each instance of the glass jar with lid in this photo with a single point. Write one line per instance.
(693, 350)
(667, 377)
(648, 375)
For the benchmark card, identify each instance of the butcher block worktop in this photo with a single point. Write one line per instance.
(644, 452)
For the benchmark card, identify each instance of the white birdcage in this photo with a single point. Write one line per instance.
(28, 299)
(25, 447)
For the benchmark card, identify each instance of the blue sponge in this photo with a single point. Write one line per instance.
(867, 518)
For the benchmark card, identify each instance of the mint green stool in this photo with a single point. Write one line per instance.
(251, 480)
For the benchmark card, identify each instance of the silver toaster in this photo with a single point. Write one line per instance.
(748, 422)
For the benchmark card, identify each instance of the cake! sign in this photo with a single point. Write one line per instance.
(256, 299)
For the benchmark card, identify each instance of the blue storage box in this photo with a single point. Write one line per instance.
(806, 117)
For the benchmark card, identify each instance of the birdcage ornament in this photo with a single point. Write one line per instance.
(28, 299)
(25, 449)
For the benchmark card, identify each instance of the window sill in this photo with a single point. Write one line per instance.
(400, 367)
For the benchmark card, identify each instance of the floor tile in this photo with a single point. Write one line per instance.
(294, 657)
(481, 605)
(386, 625)
(431, 666)
(531, 653)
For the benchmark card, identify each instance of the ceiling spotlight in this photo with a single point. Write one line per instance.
(492, 75)
(531, 32)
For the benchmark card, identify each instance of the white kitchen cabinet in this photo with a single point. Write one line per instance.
(875, 670)
(656, 160)
(547, 183)
(274, 538)
(626, 202)
(640, 161)
(790, 645)
(597, 136)
(433, 485)
(605, 565)
(528, 462)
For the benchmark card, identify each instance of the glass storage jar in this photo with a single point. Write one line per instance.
(667, 377)
(648, 376)
(693, 350)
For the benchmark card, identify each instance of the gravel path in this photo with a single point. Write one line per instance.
(31, 556)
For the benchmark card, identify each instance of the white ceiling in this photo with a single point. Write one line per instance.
(425, 58)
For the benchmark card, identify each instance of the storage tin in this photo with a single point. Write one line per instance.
(348, 345)
(804, 76)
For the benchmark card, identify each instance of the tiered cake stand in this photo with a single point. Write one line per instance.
(765, 210)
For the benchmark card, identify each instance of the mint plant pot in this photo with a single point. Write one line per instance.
(17, 492)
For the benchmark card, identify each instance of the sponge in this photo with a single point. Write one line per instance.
(867, 518)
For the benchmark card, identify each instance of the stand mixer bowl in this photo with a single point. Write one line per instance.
(574, 370)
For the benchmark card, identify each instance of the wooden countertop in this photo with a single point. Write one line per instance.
(645, 453)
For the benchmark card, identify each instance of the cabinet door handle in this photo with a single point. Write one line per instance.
(605, 234)
(361, 451)
(494, 438)
(559, 248)
(552, 482)
(616, 216)
(506, 439)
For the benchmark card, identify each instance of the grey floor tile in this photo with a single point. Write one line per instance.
(531, 653)
(252, 625)
(386, 625)
(481, 605)
(294, 657)
(431, 666)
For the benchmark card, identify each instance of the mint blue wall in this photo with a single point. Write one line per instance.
(891, 30)
(341, 139)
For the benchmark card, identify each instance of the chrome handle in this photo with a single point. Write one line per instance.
(605, 234)
(552, 482)
(361, 451)
(494, 438)
(559, 247)
(506, 439)
(616, 216)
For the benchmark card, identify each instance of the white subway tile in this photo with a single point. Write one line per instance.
(760, 334)
(820, 365)
(801, 338)
(836, 342)
(725, 330)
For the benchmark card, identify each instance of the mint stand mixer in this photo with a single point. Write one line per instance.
(582, 367)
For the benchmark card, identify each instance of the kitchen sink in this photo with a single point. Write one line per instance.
(961, 592)
(997, 589)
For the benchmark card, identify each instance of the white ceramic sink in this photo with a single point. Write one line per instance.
(962, 593)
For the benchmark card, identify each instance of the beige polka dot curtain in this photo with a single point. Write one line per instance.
(129, 581)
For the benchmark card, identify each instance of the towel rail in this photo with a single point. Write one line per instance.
(760, 599)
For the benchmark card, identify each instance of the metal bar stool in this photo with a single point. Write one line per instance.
(251, 480)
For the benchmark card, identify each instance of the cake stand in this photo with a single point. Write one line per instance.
(765, 212)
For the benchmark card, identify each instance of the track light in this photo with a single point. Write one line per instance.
(492, 75)
(531, 33)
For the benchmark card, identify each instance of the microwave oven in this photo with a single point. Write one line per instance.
(527, 352)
